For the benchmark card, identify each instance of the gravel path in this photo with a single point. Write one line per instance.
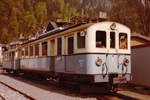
(10, 94)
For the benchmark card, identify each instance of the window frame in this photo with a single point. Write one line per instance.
(105, 40)
(31, 50)
(71, 36)
(52, 47)
(26, 51)
(23, 52)
(126, 41)
(115, 40)
(35, 49)
(80, 40)
(44, 51)
(59, 45)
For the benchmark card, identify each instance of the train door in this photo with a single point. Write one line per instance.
(123, 46)
(113, 52)
(70, 57)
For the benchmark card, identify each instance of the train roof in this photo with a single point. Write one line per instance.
(74, 27)
(59, 30)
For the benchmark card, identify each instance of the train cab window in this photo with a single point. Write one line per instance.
(59, 47)
(31, 50)
(26, 51)
(70, 45)
(44, 49)
(112, 39)
(123, 41)
(100, 39)
(36, 49)
(81, 40)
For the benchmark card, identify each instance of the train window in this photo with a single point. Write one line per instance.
(9, 56)
(31, 50)
(26, 51)
(22, 52)
(123, 41)
(112, 39)
(70, 45)
(101, 39)
(44, 49)
(52, 47)
(59, 48)
(36, 49)
(80, 40)
(12, 55)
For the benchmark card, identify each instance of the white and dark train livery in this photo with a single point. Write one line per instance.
(83, 53)
(1, 57)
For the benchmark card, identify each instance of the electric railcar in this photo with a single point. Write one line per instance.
(83, 53)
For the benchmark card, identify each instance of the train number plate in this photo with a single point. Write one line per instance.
(119, 80)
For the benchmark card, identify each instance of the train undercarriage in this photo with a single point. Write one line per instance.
(84, 83)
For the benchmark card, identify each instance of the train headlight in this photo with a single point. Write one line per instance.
(82, 33)
(125, 62)
(98, 61)
(113, 26)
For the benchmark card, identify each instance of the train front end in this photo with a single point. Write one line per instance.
(108, 44)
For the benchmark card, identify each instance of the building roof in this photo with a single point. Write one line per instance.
(138, 40)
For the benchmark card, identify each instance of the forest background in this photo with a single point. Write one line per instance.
(27, 16)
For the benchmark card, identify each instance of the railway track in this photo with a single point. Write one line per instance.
(2, 97)
(68, 92)
(6, 88)
(110, 96)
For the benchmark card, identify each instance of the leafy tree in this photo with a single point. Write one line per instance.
(4, 36)
(29, 22)
(27, 16)
(13, 23)
(28, 5)
(41, 12)
(133, 13)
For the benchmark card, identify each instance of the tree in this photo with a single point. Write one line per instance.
(41, 12)
(133, 13)
(13, 23)
(143, 11)
(29, 21)
(5, 37)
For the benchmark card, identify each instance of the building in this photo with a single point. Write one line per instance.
(140, 58)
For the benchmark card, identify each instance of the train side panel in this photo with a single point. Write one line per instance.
(76, 64)
(16, 64)
(59, 64)
(6, 65)
(39, 64)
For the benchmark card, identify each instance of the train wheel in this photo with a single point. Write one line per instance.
(113, 88)
(15, 72)
(7, 70)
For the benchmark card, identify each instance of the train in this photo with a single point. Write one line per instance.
(2, 48)
(84, 53)
(0, 55)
